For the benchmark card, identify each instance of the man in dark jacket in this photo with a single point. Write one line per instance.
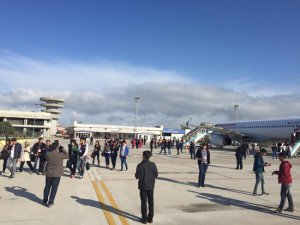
(14, 156)
(54, 170)
(259, 169)
(192, 150)
(37, 152)
(151, 145)
(146, 172)
(239, 157)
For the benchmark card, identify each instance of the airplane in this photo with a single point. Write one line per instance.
(264, 132)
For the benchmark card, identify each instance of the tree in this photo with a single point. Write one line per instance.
(6, 129)
(70, 131)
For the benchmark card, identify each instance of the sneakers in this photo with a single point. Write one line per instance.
(51, 205)
(143, 221)
(255, 194)
(44, 202)
(278, 210)
(289, 209)
(149, 220)
(263, 193)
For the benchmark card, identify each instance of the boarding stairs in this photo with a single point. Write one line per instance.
(197, 137)
(192, 133)
(295, 149)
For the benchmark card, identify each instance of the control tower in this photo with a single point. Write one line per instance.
(51, 106)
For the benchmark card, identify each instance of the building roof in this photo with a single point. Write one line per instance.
(79, 127)
(25, 114)
(48, 99)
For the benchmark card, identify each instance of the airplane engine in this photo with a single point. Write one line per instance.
(219, 140)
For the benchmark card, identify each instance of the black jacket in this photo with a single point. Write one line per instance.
(37, 146)
(239, 152)
(146, 172)
(199, 156)
(18, 151)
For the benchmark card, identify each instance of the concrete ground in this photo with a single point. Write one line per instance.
(106, 196)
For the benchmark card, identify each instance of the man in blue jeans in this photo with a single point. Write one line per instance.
(124, 150)
(259, 169)
(14, 156)
(54, 170)
(285, 179)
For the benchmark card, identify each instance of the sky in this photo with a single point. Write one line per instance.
(184, 59)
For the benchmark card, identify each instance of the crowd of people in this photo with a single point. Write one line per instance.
(35, 156)
(46, 158)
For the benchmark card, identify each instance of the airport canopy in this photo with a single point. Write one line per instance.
(173, 131)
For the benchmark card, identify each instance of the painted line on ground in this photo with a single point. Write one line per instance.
(113, 202)
(96, 180)
(104, 207)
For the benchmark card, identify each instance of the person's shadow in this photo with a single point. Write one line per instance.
(229, 189)
(221, 200)
(98, 205)
(176, 181)
(23, 192)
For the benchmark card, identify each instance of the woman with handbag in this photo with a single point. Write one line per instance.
(96, 153)
(5, 153)
(114, 154)
(73, 158)
(25, 157)
(82, 157)
(107, 154)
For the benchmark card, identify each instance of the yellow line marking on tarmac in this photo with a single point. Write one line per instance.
(106, 211)
(113, 202)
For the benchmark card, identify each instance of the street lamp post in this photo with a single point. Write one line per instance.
(33, 129)
(235, 110)
(136, 99)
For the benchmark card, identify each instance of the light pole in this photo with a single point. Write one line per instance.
(33, 130)
(235, 110)
(136, 99)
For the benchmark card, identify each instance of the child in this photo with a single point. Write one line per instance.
(285, 179)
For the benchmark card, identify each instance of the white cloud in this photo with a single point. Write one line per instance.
(98, 76)
(103, 92)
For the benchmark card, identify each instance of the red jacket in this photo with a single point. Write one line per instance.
(284, 173)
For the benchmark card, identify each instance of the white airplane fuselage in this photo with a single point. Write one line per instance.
(264, 131)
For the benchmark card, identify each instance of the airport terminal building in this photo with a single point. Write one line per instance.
(30, 124)
(100, 131)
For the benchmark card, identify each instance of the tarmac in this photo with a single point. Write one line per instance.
(107, 196)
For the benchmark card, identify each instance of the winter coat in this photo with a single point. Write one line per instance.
(284, 173)
(25, 154)
(54, 167)
(146, 172)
